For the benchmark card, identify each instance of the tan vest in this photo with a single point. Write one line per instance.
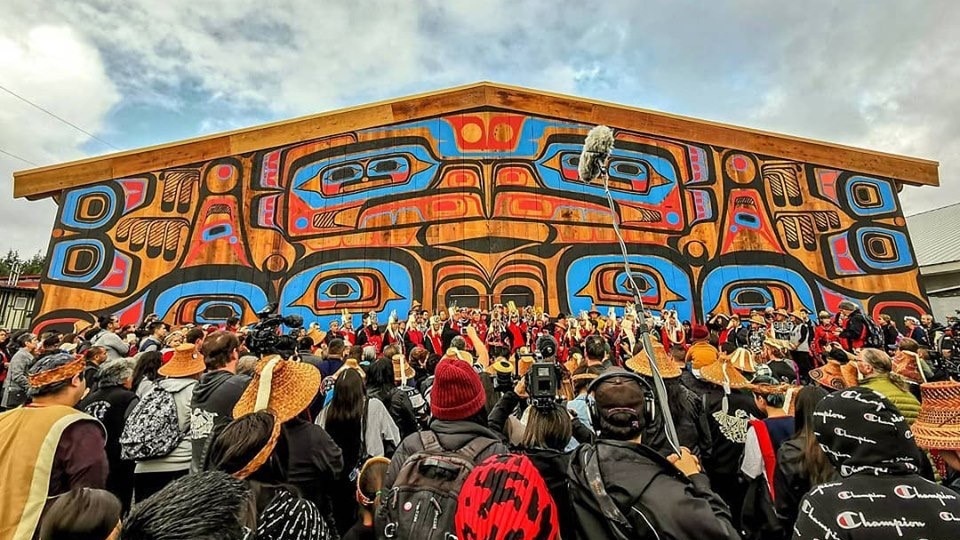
(29, 437)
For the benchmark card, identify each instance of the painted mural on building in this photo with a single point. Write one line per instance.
(476, 208)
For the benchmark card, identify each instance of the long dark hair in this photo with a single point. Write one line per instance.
(83, 513)
(237, 444)
(814, 461)
(348, 399)
(147, 366)
(547, 428)
(380, 375)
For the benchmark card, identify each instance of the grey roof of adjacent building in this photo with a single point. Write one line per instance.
(935, 235)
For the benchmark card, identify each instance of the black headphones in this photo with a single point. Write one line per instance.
(649, 398)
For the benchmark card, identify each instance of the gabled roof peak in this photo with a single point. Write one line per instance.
(48, 181)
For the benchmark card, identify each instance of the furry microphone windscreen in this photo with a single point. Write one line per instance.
(596, 148)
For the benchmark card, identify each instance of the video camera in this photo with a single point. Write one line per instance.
(543, 379)
(264, 336)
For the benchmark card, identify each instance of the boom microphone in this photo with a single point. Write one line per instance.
(596, 149)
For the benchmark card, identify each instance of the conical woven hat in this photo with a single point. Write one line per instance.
(641, 363)
(186, 362)
(722, 372)
(742, 359)
(938, 424)
(286, 387)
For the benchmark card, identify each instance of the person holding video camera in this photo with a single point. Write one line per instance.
(548, 428)
(620, 488)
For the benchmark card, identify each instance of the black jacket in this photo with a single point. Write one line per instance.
(791, 481)
(553, 466)
(452, 435)
(692, 429)
(657, 500)
(111, 405)
(314, 460)
(854, 331)
(211, 408)
(399, 407)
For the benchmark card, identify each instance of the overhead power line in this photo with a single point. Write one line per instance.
(14, 156)
(67, 122)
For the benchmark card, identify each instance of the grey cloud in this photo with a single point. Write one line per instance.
(877, 74)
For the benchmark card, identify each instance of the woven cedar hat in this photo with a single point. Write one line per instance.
(779, 344)
(834, 375)
(501, 365)
(54, 368)
(781, 311)
(907, 365)
(285, 387)
(186, 362)
(758, 319)
(789, 391)
(742, 359)
(722, 372)
(938, 425)
(800, 314)
(641, 363)
(401, 368)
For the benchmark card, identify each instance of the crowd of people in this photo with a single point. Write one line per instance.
(505, 423)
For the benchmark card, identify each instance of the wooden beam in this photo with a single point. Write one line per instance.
(46, 181)
(909, 170)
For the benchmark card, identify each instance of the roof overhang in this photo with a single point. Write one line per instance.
(49, 181)
(940, 268)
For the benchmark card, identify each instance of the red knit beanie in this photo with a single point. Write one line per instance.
(457, 391)
(506, 498)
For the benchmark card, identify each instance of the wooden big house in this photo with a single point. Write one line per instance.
(471, 196)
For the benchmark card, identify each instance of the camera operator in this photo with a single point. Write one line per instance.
(549, 425)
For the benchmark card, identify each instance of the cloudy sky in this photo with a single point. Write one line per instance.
(878, 74)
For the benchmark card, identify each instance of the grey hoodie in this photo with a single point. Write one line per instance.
(211, 409)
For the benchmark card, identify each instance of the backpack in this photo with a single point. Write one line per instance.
(873, 338)
(423, 500)
(153, 428)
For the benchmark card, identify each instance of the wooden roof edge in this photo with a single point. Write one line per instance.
(46, 181)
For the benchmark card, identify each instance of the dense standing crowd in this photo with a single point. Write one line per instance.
(477, 424)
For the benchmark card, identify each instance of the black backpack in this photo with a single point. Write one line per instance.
(423, 501)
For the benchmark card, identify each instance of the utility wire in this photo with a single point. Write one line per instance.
(67, 122)
(14, 156)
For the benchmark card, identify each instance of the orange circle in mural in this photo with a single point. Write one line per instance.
(503, 133)
(740, 168)
(275, 263)
(899, 222)
(471, 132)
(221, 178)
(57, 233)
(695, 249)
